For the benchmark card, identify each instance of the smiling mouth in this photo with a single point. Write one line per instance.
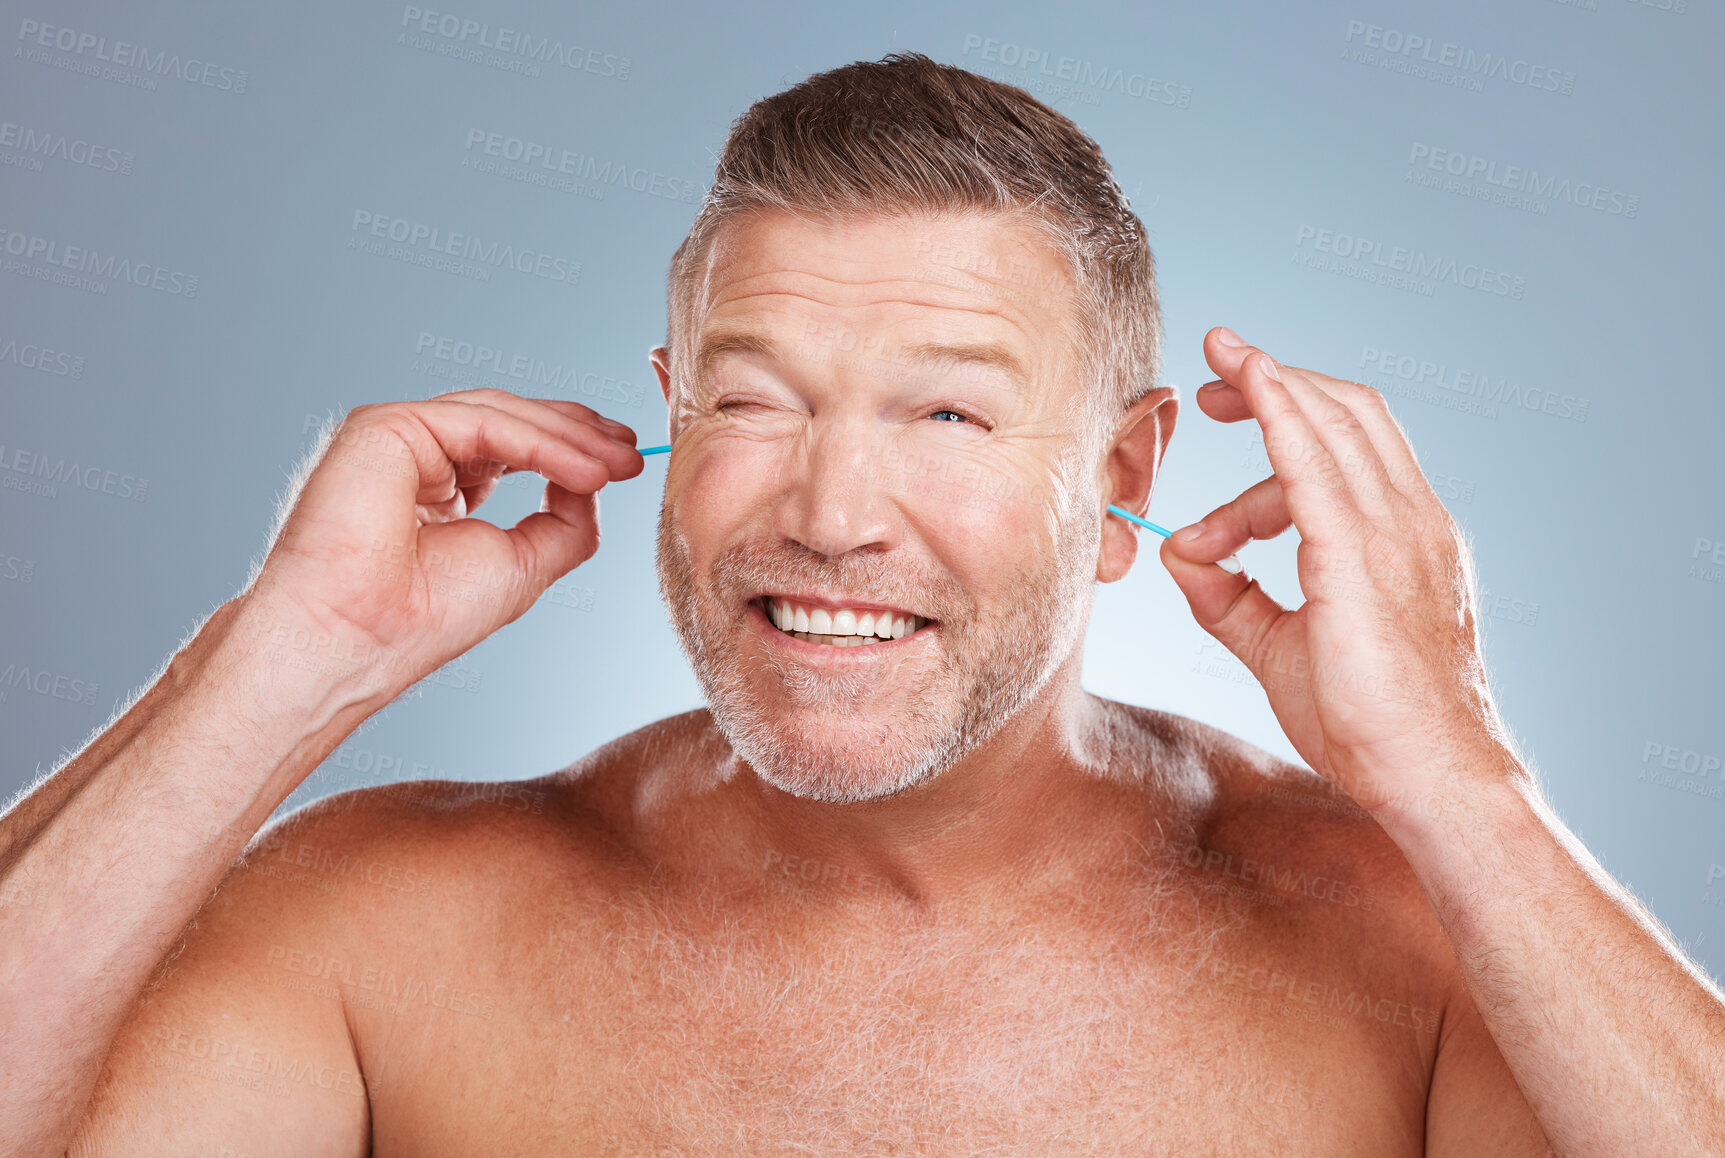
(839, 626)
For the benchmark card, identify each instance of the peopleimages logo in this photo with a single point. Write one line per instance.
(1409, 52)
(35, 472)
(538, 157)
(1522, 179)
(81, 260)
(465, 247)
(460, 32)
(475, 364)
(1471, 383)
(44, 359)
(124, 54)
(34, 144)
(1413, 263)
(1087, 75)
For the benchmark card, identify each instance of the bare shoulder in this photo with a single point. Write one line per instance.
(1278, 835)
(413, 900)
(379, 848)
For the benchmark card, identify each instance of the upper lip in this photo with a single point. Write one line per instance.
(834, 602)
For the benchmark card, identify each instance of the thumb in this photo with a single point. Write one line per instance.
(1225, 601)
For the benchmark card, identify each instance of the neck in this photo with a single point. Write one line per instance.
(1023, 808)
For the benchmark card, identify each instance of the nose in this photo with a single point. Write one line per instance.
(834, 501)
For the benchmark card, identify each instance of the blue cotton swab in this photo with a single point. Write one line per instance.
(1132, 518)
(1230, 564)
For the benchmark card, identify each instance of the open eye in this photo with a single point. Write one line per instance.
(958, 417)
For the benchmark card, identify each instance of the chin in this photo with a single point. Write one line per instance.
(837, 776)
(833, 760)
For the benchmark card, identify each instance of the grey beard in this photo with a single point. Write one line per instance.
(987, 672)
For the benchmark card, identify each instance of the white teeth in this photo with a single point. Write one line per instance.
(844, 627)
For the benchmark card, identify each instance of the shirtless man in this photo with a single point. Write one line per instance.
(921, 895)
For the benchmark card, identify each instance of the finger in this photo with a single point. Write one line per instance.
(1225, 403)
(525, 408)
(1315, 493)
(1226, 352)
(1340, 431)
(1222, 402)
(568, 420)
(1233, 608)
(1301, 435)
(1260, 512)
(469, 432)
(1387, 437)
(1344, 439)
(559, 537)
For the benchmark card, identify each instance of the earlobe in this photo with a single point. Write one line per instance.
(1119, 549)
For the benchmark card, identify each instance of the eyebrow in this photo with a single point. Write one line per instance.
(990, 354)
(716, 346)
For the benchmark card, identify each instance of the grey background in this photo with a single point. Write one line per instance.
(1593, 532)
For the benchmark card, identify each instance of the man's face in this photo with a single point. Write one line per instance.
(881, 421)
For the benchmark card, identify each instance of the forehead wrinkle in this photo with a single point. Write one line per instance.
(731, 338)
(953, 298)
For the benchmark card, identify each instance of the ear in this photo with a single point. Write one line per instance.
(661, 360)
(1129, 475)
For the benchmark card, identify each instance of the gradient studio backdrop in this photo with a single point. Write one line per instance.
(1550, 167)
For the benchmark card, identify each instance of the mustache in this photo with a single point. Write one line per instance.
(892, 578)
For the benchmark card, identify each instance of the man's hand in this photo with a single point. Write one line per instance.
(1612, 1036)
(376, 577)
(377, 564)
(1377, 679)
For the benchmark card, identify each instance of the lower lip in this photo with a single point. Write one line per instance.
(855, 653)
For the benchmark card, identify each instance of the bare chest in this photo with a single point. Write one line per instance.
(645, 1039)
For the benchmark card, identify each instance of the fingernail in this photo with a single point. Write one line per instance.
(1268, 365)
(1231, 565)
(1187, 534)
(1228, 337)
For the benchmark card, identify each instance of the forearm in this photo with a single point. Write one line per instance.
(1617, 1042)
(107, 860)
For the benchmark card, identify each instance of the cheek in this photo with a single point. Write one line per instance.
(720, 483)
(988, 526)
(1009, 491)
